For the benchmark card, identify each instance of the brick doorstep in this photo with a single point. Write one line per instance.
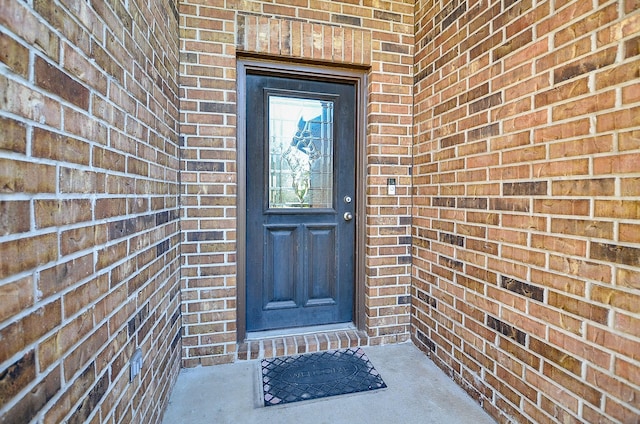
(270, 347)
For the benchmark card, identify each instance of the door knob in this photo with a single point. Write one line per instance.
(348, 216)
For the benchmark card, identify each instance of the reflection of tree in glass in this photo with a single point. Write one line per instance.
(301, 155)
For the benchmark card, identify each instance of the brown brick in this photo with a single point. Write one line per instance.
(621, 209)
(24, 177)
(559, 282)
(14, 55)
(616, 298)
(82, 238)
(565, 360)
(578, 307)
(86, 294)
(13, 134)
(591, 187)
(18, 296)
(562, 168)
(49, 213)
(77, 358)
(630, 186)
(57, 82)
(15, 217)
(65, 275)
(629, 233)
(628, 278)
(599, 229)
(79, 181)
(16, 377)
(35, 399)
(72, 394)
(21, 333)
(615, 253)
(23, 254)
(586, 392)
(533, 188)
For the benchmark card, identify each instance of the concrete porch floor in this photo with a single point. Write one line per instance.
(417, 392)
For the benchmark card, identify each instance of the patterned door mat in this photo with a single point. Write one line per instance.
(317, 375)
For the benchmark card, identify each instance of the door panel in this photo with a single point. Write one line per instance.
(279, 267)
(300, 169)
(322, 265)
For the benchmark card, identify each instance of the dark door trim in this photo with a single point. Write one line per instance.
(356, 77)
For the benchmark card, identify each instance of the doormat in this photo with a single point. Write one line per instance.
(317, 375)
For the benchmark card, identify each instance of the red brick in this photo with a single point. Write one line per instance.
(562, 55)
(627, 71)
(561, 131)
(619, 164)
(618, 120)
(562, 93)
(581, 147)
(629, 324)
(627, 370)
(573, 344)
(584, 106)
(623, 345)
(590, 23)
(621, 410)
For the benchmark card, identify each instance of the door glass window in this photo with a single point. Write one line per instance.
(300, 152)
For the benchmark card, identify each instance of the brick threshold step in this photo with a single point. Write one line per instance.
(296, 344)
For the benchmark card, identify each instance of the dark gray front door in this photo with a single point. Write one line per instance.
(300, 202)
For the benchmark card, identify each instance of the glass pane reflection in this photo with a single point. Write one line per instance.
(300, 153)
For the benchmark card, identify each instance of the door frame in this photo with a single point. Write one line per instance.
(357, 77)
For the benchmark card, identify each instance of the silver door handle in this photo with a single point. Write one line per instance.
(348, 216)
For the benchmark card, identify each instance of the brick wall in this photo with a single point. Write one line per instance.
(89, 267)
(377, 35)
(526, 215)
